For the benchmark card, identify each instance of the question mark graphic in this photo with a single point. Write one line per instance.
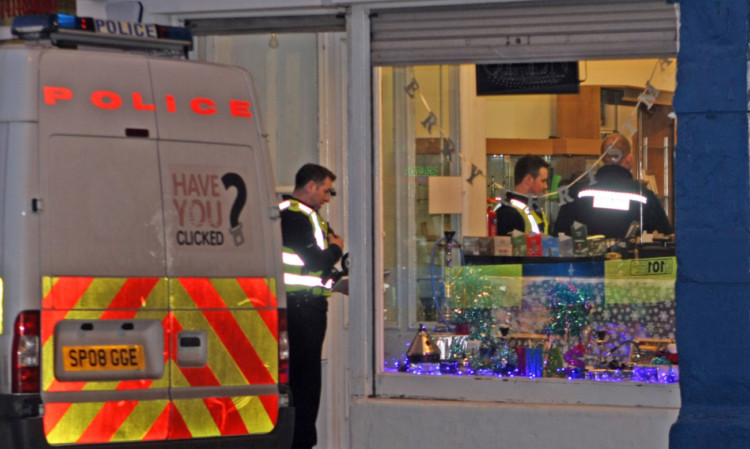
(229, 180)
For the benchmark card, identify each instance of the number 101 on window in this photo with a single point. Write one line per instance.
(646, 267)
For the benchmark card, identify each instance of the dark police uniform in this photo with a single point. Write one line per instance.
(307, 261)
(609, 206)
(516, 213)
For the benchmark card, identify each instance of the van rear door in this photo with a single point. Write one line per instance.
(104, 290)
(223, 250)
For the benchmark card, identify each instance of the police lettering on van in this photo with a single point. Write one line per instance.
(126, 28)
(104, 99)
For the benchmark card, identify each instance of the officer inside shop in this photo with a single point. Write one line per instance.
(311, 249)
(518, 211)
(616, 204)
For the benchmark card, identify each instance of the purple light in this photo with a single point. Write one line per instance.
(662, 374)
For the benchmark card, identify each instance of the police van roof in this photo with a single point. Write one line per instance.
(67, 30)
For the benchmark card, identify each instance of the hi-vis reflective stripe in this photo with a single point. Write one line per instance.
(529, 218)
(292, 259)
(319, 235)
(608, 199)
(306, 281)
(240, 321)
(320, 238)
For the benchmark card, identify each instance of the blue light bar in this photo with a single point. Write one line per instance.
(66, 29)
(33, 24)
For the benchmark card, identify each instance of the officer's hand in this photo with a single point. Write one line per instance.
(334, 239)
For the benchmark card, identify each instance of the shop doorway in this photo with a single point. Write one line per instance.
(302, 90)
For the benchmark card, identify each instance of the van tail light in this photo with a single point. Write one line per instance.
(283, 349)
(26, 355)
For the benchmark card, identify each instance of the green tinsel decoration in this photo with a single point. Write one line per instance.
(472, 295)
(505, 361)
(555, 364)
(569, 309)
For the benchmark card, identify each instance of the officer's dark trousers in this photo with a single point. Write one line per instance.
(307, 321)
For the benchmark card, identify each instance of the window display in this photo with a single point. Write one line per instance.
(603, 320)
(463, 303)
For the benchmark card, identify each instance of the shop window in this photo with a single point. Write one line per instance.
(459, 302)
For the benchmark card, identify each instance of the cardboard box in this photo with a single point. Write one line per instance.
(565, 245)
(534, 245)
(503, 246)
(597, 245)
(550, 246)
(478, 246)
(579, 233)
(518, 241)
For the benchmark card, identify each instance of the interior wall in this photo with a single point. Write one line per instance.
(520, 116)
(631, 72)
(535, 116)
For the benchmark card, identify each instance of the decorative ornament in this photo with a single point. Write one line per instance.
(475, 171)
(563, 195)
(648, 96)
(472, 296)
(533, 202)
(422, 349)
(613, 151)
(628, 125)
(569, 309)
(430, 121)
(554, 366)
(505, 361)
(412, 88)
(592, 177)
(448, 149)
(573, 356)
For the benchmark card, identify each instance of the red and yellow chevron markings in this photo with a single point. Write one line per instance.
(240, 320)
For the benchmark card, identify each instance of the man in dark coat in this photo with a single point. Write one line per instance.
(517, 211)
(610, 205)
(311, 249)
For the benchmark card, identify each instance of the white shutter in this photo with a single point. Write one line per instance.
(518, 32)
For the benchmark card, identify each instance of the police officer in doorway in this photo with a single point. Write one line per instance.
(310, 251)
(615, 201)
(517, 212)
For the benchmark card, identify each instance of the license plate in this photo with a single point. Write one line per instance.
(103, 358)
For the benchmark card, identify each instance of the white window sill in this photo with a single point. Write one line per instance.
(527, 391)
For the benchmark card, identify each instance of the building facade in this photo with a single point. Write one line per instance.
(334, 115)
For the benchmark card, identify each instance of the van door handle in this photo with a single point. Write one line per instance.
(192, 348)
(190, 342)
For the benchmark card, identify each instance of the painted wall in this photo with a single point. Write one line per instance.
(713, 305)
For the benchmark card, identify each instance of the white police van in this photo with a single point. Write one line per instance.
(142, 302)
